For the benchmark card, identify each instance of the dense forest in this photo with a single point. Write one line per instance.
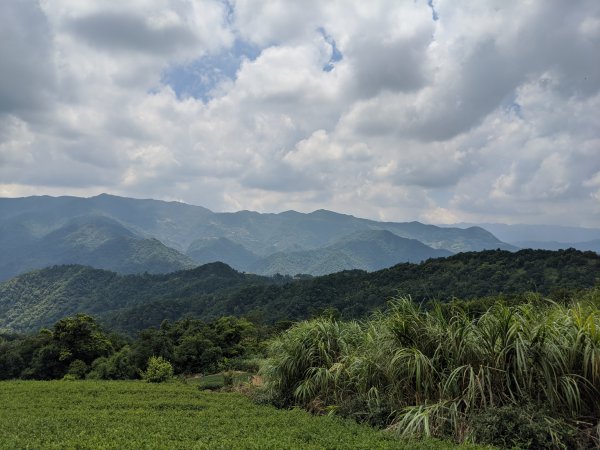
(134, 302)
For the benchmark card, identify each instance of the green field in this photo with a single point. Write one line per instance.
(137, 415)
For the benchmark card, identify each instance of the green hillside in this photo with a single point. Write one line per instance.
(134, 302)
(41, 297)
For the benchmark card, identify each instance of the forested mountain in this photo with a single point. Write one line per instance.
(135, 302)
(40, 297)
(89, 240)
(242, 239)
(368, 250)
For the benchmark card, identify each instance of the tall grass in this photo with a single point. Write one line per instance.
(434, 373)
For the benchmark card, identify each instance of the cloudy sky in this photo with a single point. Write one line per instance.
(439, 111)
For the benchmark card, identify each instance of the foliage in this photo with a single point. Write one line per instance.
(70, 347)
(134, 415)
(133, 303)
(78, 347)
(78, 369)
(159, 370)
(80, 338)
(433, 373)
(118, 366)
(522, 426)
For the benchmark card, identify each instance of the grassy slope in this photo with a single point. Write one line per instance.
(137, 415)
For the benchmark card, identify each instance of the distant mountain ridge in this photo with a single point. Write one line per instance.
(142, 232)
(544, 237)
(369, 250)
(593, 245)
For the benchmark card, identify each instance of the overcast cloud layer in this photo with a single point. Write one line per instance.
(438, 111)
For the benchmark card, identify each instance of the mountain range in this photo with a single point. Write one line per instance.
(133, 236)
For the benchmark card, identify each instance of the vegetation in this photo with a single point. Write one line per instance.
(524, 375)
(135, 302)
(158, 370)
(134, 415)
(77, 347)
(507, 371)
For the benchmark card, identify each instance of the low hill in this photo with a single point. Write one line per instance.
(540, 232)
(131, 303)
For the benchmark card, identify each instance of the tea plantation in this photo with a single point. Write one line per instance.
(138, 415)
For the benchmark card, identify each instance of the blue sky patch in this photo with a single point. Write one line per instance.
(198, 78)
(434, 14)
(336, 55)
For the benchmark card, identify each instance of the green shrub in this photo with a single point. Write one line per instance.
(158, 370)
(118, 366)
(522, 426)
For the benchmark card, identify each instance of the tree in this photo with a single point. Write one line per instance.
(78, 338)
(158, 370)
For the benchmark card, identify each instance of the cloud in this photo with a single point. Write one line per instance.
(118, 32)
(392, 110)
(27, 80)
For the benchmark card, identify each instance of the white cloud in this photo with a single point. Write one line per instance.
(489, 113)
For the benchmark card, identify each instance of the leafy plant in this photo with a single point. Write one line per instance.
(439, 372)
(159, 370)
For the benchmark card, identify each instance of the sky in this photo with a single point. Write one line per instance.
(440, 111)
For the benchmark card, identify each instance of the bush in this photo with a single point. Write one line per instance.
(118, 366)
(158, 370)
(518, 426)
